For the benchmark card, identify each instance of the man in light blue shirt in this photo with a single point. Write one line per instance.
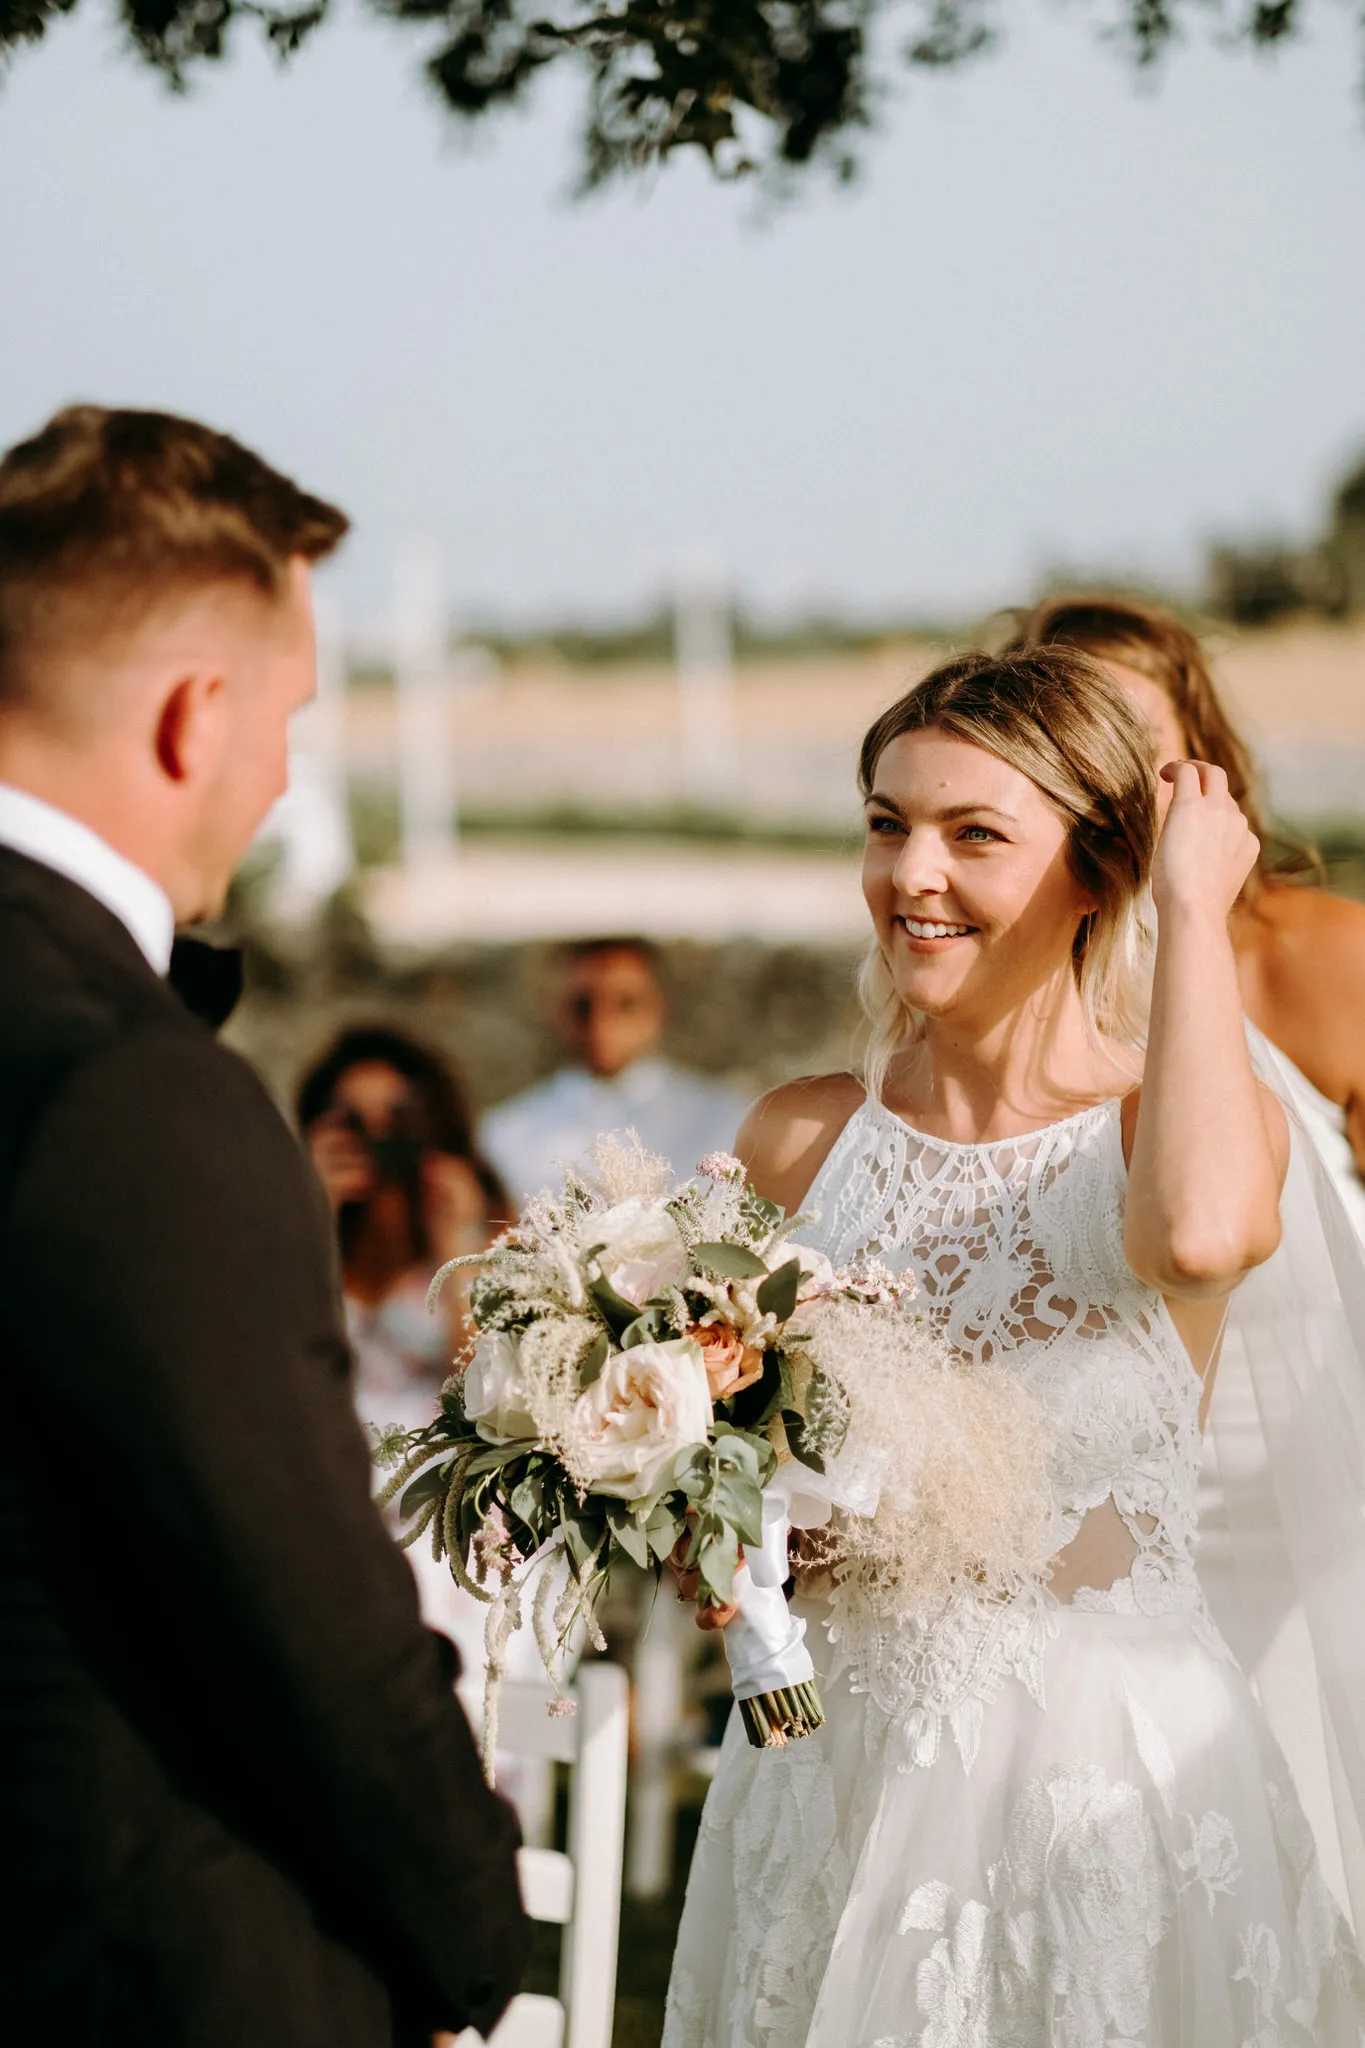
(610, 1015)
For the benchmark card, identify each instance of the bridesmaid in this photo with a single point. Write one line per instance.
(1300, 951)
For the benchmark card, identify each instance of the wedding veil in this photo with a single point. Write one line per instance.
(1282, 1542)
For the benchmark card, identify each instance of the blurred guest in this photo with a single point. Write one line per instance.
(393, 1142)
(1300, 951)
(392, 1139)
(610, 1014)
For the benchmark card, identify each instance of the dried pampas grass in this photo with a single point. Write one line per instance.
(962, 1451)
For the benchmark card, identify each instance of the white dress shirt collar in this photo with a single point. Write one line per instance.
(62, 843)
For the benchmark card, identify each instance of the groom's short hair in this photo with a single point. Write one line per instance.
(104, 513)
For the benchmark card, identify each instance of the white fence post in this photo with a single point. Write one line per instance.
(428, 832)
(704, 659)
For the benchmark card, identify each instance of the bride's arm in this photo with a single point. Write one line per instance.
(1210, 1145)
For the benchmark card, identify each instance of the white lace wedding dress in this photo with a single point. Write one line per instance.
(1059, 1821)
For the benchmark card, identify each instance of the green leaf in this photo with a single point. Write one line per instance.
(757, 1405)
(761, 1215)
(653, 1325)
(827, 1413)
(664, 1529)
(428, 1485)
(616, 1312)
(580, 1537)
(730, 1261)
(628, 1532)
(493, 1457)
(717, 1562)
(690, 1468)
(803, 1452)
(527, 1500)
(777, 1295)
(593, 1359)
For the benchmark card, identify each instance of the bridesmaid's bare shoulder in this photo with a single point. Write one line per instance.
(1301, 958)
(791, 1131)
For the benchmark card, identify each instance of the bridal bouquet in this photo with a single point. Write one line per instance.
(663, 1371)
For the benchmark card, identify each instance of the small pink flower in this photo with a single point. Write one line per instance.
(719, 1166)
(558, 1710)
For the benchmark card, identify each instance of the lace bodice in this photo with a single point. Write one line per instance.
(1017, 1248)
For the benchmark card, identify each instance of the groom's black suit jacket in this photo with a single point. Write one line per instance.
(239, 1806)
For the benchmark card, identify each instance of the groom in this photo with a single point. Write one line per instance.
(239, 1806)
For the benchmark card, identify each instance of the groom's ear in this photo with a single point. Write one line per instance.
(189, 725)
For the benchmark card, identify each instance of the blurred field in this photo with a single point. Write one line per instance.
(579, 817)
(537, 744)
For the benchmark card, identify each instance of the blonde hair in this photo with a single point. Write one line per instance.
(1058, 718)
(1158, 646)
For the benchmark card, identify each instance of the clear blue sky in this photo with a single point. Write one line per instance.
(1061, 317)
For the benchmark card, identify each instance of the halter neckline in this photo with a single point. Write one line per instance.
(1078, 1116)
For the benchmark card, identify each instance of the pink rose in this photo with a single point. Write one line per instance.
(731, 1364)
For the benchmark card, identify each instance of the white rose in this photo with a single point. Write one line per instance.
(814, 1265)
(494, 1391)
(648, 1404)
(643, 1251)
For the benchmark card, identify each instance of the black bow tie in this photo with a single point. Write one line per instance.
(207, 979)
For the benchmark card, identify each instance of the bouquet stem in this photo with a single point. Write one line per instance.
(773, 1719)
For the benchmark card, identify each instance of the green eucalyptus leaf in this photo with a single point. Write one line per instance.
(664, 1529)
(529, 1500)
(628, 1531)
(593, 1359)
(762, 1216)
(580, 1540)
(777, 1295)
(653, 1325)
(616, 1312)
(729, 1261)
(428, 1485)
(493, 1457)
(756, 1406)
(717, 1563)
(803, 1451)
(690, 1469)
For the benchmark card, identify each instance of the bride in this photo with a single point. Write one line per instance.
(1058, 1820)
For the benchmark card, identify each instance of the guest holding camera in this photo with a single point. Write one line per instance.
(392, 1139)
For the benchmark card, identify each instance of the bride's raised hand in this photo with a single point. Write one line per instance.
(1206, 849)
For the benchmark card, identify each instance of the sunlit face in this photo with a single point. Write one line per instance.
(966, 875)
(611, 1010)
(1158, 714)
(269, 673)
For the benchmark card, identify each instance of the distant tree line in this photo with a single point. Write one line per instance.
(748, 83)
(1247, 583)
(1255, 584)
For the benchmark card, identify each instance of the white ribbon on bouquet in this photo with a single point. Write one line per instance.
(766, 1642)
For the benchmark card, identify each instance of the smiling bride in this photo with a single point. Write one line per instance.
(1061, 1819)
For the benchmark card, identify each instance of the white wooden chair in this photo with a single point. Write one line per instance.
(578, 1889)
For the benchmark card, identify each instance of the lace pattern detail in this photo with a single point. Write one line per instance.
(1064, 1945)
(1017, 1248)
(773, 1816)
